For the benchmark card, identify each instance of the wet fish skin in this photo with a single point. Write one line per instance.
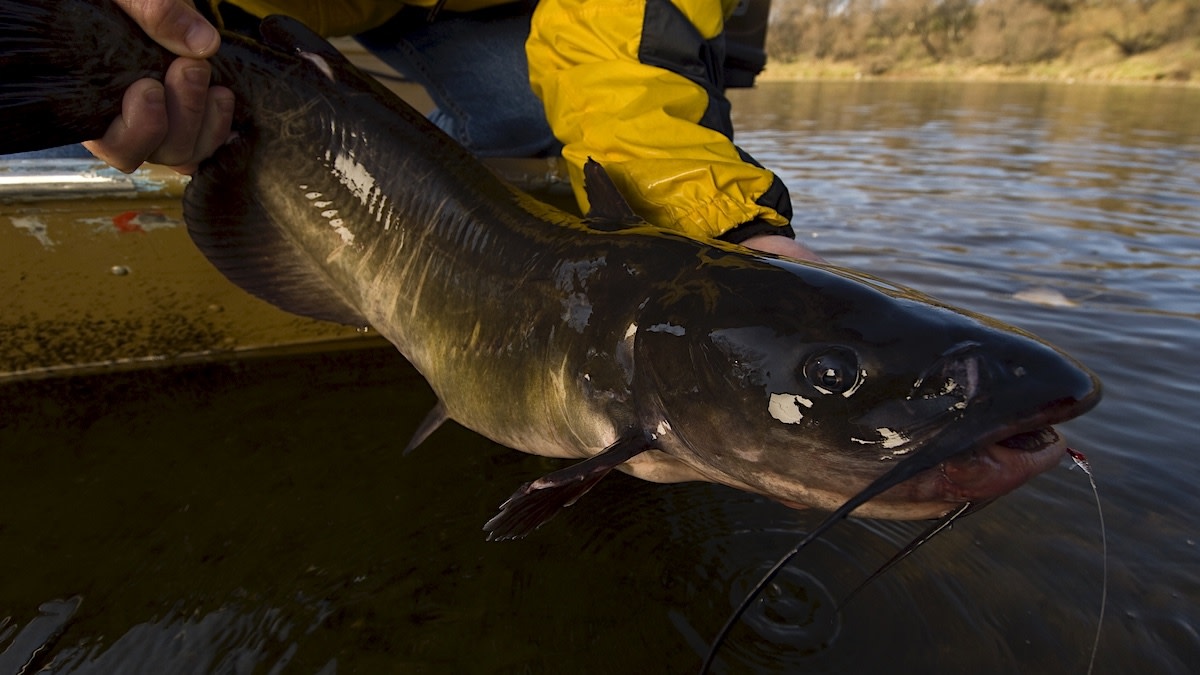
(552, 334)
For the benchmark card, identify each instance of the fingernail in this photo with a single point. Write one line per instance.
(197, 76)
(202, 38)
(155, 96)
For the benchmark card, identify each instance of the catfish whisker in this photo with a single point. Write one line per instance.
(925, 536)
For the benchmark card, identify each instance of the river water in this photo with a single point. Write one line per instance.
(258, 516)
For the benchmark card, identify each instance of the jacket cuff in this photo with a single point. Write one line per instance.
(754, 228)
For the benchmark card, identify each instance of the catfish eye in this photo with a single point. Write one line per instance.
(832, 371)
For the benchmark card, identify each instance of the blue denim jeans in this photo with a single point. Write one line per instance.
(473, 66)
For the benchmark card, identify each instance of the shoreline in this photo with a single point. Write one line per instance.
(1172, 69)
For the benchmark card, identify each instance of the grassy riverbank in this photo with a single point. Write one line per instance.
(1058, 40)
(1174, 65)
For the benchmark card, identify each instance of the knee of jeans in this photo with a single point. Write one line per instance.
(500, 135)
(528, 137)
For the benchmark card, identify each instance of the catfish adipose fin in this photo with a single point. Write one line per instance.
(607, 208)
(537, 502)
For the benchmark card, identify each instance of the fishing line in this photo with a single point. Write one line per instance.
(1082, 463)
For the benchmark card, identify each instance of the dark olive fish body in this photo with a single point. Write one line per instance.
(670, 358)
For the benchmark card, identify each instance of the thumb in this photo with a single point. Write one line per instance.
(174, 24)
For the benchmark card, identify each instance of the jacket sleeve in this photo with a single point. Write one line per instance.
(636, 85)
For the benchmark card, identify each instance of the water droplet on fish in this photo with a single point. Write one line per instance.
(119, 270)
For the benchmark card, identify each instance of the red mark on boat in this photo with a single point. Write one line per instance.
(127, 222)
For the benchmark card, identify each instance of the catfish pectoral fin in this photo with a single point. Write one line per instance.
(430, 424)
(534, 503)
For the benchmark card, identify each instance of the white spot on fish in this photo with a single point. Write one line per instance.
(320, 62)
(354, 176)
(624, 353)
(667, 328)
(321, 205)
(577, 311)
(572, 277)
(312, 195)
(662, 428)
(361, 183)
(346, 235)
(786, 407)
(748, 454)
(892, 439)
(36, 228)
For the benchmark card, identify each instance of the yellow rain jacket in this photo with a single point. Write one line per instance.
(627, 83)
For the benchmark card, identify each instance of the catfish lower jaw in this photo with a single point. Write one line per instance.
(1002, 467)
(976, 476)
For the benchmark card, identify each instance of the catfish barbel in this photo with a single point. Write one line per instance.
(597, 338)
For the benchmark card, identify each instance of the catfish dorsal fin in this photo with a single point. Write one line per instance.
(536, 502)
(606, 206)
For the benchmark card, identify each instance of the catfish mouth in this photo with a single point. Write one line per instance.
(974, 461)
(999, 468)
(976, 475)
(989, 466)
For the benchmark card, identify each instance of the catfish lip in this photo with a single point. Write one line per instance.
(1001, 467)
(998, 466)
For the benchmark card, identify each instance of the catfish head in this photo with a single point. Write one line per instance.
(809, 384)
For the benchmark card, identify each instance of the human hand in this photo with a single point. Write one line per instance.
(781, 245)
(181, 120)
